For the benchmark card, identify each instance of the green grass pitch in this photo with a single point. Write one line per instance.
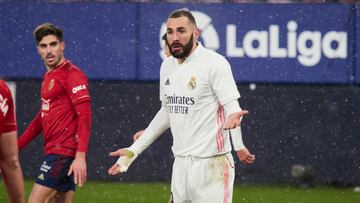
(110, 192)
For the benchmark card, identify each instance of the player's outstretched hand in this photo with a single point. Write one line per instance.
(245, 156)
(115, 169)
(126, 157)
(137, 135)
(234, 120)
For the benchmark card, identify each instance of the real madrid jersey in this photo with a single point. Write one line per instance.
(194, 93)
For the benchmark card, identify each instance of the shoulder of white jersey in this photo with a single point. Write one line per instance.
(217, 60)
(168, 60)
(167, 64)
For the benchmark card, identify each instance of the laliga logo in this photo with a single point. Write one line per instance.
(306, 46)
(208, 35)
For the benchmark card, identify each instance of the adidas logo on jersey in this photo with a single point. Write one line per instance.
(167, 82)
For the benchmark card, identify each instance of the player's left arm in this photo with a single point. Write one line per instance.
(234, 115)
(224, 86)
(77, 90)
(78, 166)
(232, 108)
(242, 152)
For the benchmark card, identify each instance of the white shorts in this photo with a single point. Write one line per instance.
(203, 180)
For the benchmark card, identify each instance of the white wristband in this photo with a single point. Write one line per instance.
(236, 138)
(125, 161)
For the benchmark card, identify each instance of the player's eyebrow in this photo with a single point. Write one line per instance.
(181, 29)
(53, 43)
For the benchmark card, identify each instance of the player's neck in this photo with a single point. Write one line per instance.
(50, 68)
(181, 60)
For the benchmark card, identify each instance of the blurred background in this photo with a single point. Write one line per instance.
(296, 64)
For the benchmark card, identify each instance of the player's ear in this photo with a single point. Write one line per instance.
(62, 45)
(38, 49)
(196, 34)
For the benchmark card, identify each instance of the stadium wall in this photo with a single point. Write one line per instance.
(315, 126)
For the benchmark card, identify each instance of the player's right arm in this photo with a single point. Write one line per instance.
(33, 130)
(157, 126)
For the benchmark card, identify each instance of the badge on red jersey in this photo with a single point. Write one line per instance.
(51, 84)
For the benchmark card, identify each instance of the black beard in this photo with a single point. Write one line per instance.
(186, 50)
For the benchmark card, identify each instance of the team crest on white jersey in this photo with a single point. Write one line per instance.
(192, 83)
(167, 82)
(51, 84)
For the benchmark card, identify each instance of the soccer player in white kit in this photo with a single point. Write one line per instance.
(199, 103)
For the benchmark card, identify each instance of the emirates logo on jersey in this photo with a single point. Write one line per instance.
(192, 83)
(51, 84)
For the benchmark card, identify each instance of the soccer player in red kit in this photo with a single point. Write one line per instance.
(9, 158)
(64, 119)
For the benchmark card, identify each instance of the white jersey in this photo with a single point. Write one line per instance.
(194, 93)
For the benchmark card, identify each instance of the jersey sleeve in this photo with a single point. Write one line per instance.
(78, 91)
(223, 82)
(31, 132)
(83, 111)
(77, 87)
(161, 83)
(7, 118)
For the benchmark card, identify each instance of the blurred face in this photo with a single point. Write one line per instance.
(51, 51)
(181, 36)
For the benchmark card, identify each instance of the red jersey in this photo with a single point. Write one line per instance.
(63, 90)
(7, 111)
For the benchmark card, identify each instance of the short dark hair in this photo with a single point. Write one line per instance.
(183, 13)
(164, 37)
(47, 29)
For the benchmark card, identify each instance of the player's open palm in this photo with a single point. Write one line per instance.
(245, 156)
(115, 169)
(234, 120)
